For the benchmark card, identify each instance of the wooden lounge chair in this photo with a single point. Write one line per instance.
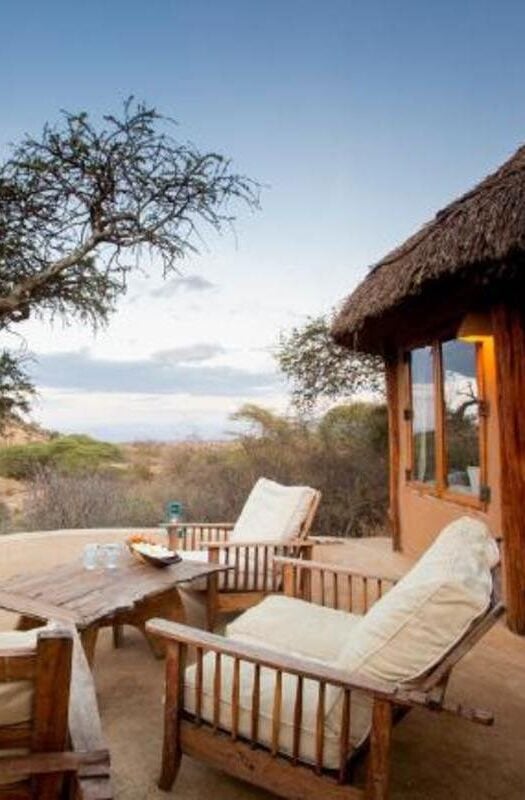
(279, 717)
(275, 520)
(51, 743)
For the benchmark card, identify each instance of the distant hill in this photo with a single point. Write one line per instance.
(17, 431)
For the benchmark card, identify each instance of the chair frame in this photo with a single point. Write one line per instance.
(67, 755)
(234, 591)
(266, 767)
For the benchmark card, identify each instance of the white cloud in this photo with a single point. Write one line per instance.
(184, 283)
(203, 351)
(132, 416)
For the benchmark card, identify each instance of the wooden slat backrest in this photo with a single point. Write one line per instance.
(310, 516)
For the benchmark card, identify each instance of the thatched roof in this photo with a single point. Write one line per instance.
(464, 257)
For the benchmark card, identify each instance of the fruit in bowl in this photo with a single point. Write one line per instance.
(147, 549)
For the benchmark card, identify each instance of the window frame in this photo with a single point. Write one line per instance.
(441, 488)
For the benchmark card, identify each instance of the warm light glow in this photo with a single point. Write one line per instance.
(474, 338)
(475, 328)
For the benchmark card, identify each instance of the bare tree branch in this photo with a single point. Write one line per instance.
(80, 204)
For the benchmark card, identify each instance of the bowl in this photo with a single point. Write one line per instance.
(149, 558)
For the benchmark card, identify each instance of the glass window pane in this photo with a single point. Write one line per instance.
(424, 416)
(461, 394)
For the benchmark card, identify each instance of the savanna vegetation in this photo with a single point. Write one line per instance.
(78, 482)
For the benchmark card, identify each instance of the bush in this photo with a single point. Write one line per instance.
(63, 453)
(88, 500)
(344, 455)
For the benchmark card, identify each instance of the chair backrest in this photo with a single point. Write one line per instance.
(430, 610)
(274, 512)
(35, 676)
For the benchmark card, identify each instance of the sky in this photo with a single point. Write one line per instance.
(360, 119)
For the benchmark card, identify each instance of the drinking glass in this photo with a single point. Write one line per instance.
(111, 555)
(90, 556)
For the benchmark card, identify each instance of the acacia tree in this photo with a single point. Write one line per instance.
(16, 390)
(319, 368)
(80, 205)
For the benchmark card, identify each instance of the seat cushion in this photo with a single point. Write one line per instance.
(16, 698)
(272, 512)
(418, 621)
(360, 714)
(295, 626)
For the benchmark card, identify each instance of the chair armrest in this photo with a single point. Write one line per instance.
(321, 540)
(214, 545)
(339, 569)
(203, 525)
(255, 654)
(308, 668)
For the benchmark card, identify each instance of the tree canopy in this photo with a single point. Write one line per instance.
(319, 368)
(80, 204)
(16, 389)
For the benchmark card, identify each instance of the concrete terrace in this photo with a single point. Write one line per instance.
(435, 757)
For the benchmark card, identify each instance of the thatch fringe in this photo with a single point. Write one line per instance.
(471, 246)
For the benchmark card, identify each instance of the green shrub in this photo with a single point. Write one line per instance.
(65, 453)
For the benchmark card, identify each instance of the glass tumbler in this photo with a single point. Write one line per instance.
(111, 555)
(90, 556)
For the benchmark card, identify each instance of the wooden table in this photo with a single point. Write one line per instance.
(91, 599)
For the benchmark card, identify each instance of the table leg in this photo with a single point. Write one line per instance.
(167, 605)
(118, 633)
(89, 642)
(212, 599)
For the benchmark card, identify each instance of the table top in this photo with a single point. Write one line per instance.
(71, 593)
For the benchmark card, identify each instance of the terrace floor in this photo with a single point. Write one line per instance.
(435, 757)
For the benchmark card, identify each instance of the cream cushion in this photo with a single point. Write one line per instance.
(360, 717)
(295, 626)
(306, 630)
(16, 697)
(414, 625)
(272, 512)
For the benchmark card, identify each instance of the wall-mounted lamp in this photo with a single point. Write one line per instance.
(475, 327)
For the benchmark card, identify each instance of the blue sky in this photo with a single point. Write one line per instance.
(361, 119)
